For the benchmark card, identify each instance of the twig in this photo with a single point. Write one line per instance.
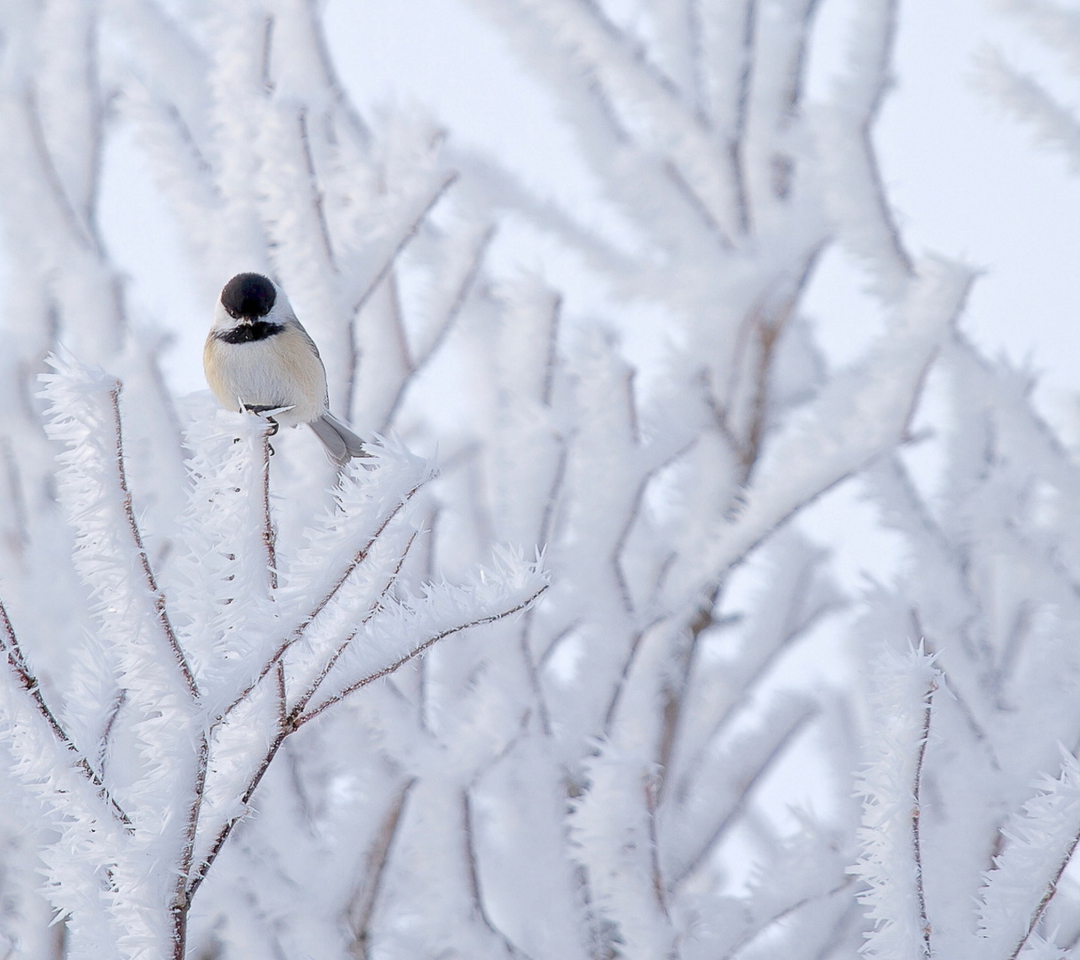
(916, 818)
(690, 195)
(748, 938)
(698, 860)
(451, 315)
(80, 229)
(376, 606)
(411, 655)
(181, 904)
(316, 193)
(144, 559)
(17, 662)
(299, 630)
(742, 110)
(553, 342)
(359, 914)
(121, 699)
(16, 495)
(403, 241)
(199, 876)
(651, 787)
(473, 870)
(268, 536)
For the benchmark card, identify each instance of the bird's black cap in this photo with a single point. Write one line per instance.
(248, 295)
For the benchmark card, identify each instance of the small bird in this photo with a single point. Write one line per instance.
(258, 357)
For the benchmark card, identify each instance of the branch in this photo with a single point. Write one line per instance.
(359, 914)
(916, 820)
(468, 278)
(292, 725)
(313, 183)
(403, 241)
(144, 560)
(412, 655)
(17, 663)
(376, 606)
(268, 536)
(745, 787)
(473, 871)
(299, 630)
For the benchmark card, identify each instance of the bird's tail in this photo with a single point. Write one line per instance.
(340, 442)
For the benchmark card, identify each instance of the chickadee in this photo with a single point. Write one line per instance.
(258, 357)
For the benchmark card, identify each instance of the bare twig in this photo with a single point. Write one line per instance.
(651, 786)
(268, 536)
(9, 643)
(376, 606)
(916, 819)
(413, 654)
(144, 560)
(461, 294)
(705, 849)
(291, 725)
(471, 866)
(313, 185)
(103, 750)
(762, 928)
(359, 913)
(299, 630)
(553, 343)
(79, 229)
(694, 201)
(402, 243)
(737, 145)
(181, 904)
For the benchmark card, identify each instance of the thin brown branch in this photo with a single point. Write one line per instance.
(619, 547)
(16, 498)
(737, 146)
(916, 822)
(718, 833)
(695, 32)
(553, 343)
(376, 606)
(298, 631)
(267, 52)
(751, 936)
(9, 643)
(313, 186)
(268, 535)
(620, 686)
(195, 879)
(751, 682)
(461, 294)
(106, 734)
(144, 560)
(473, 870)
(291, 726)
(682, 185)
(80, 230)
(651, 786)
(402, 243)
(359, 914)
(412, 655)
(181, 904)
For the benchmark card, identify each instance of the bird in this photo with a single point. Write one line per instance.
(258, 358)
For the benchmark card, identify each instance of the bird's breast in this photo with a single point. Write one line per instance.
(276, 370)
